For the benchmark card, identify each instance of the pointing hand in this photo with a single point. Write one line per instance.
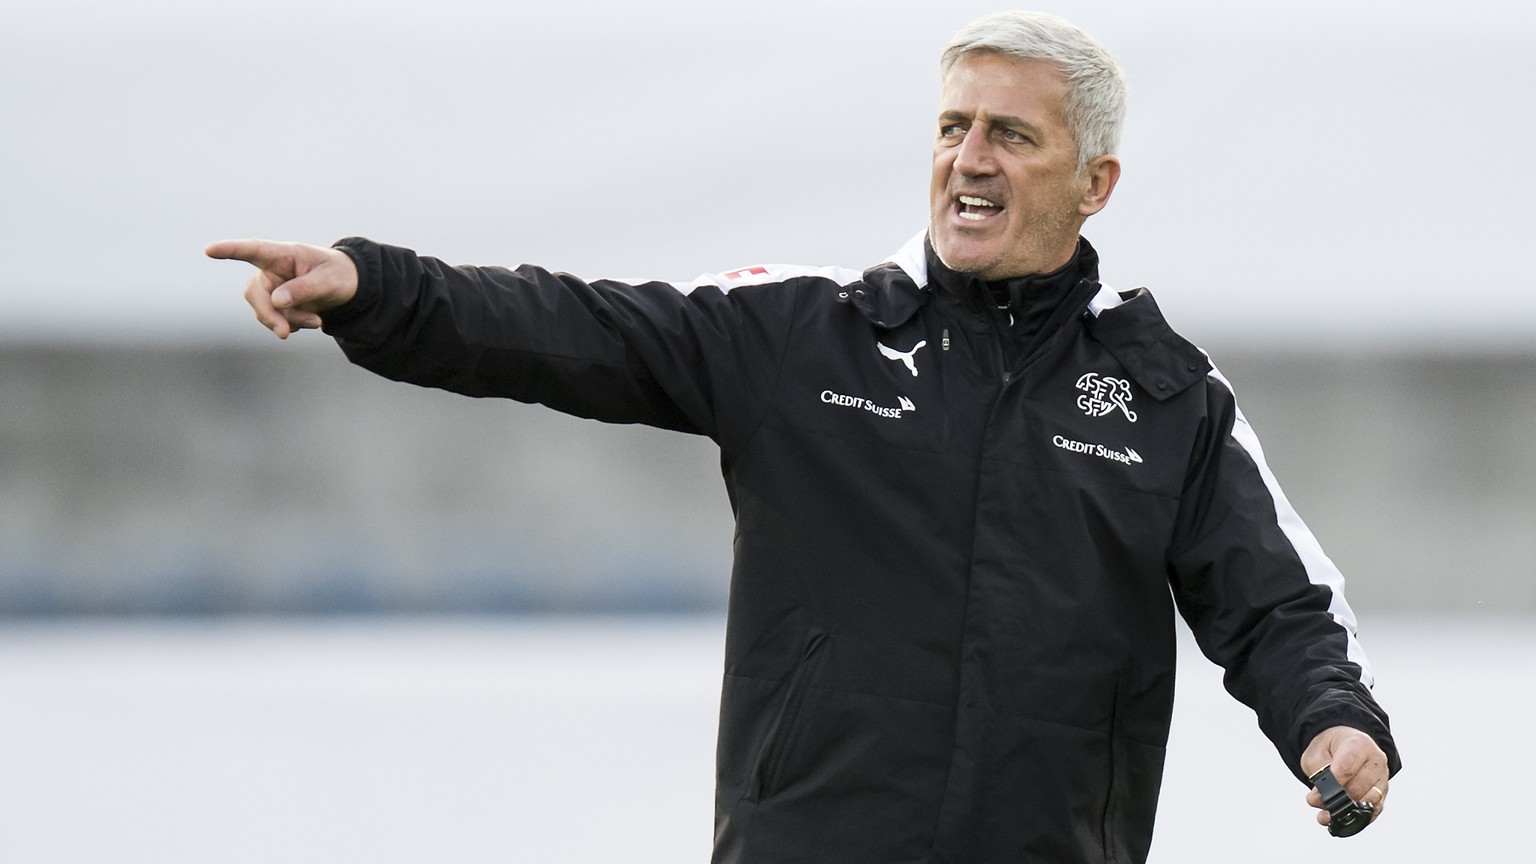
(294, 282)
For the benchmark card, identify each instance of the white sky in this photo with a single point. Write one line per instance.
(1301, 173)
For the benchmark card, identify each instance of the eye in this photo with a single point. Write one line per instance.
(951, 130)
(1013, 136)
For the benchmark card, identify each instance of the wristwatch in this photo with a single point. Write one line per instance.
(1346, 816)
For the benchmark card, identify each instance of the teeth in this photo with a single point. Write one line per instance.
(976, 202)
(974, 217)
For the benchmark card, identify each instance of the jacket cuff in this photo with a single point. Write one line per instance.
(1344, 709)
(365, 255)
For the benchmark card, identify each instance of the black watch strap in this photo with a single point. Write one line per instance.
(1346, 817)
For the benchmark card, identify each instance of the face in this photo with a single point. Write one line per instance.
(1006, 198)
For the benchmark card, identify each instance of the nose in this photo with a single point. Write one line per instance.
(974, 157)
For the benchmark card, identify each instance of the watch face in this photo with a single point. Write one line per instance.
(1349, 820)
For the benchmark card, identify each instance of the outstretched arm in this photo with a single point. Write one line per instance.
(294, 282)
(699, 357)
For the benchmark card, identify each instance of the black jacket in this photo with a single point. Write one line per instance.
(950, 633)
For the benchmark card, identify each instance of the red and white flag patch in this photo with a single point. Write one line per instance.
(745, 272)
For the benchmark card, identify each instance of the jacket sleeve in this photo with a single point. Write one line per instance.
(1263, 600)
(694, 358)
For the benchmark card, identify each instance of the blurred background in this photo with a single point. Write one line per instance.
(256, 604)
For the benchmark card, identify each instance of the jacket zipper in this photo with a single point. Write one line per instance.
(944, 386)
(1002, 356)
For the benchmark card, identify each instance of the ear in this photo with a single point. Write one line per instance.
(1099, 179)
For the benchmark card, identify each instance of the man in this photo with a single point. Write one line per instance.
(964, 482)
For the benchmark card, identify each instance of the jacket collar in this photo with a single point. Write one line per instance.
(899, 286)
(1129, 325)
(1037, 293)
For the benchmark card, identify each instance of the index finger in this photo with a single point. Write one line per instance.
(258, 252)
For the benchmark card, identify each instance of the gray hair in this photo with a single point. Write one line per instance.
(1095, 108)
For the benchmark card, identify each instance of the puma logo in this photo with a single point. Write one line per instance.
(904, 356)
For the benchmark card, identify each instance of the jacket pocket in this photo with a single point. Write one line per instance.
(776, 742)
(1135, 777)
(1107, 823)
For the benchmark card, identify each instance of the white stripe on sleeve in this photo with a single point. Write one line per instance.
(1320, 568)
(757, 275)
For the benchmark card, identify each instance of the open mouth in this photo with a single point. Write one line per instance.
(975, 209)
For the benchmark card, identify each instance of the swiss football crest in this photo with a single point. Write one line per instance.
(1103, 394)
